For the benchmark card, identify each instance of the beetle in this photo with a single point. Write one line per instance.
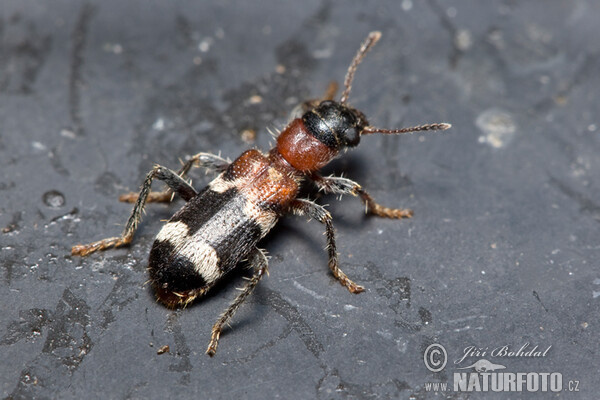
(221, 225)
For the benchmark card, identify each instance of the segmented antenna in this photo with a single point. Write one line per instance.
(420, 128)
(364, 49)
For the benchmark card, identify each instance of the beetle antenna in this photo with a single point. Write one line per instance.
(364, 49)
(420, 128)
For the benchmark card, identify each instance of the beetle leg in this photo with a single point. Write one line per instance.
(313, 210)
(339, 185)
(175, 183)
(202, 160)
(259, 262)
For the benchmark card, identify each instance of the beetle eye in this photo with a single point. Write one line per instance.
(352, 136)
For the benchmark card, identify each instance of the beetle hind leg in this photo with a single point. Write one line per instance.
(259, 262)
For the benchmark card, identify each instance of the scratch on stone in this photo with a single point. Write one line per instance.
(286, 332)
(586, 204)
(22, 55)
(78, 37)
(182, 351)
(537, 296)
(465, 319)
(308, 291)
(291, 314)
(448, 25)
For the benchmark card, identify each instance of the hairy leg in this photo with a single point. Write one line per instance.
(202, 160)
(175, 183)
(338, 185)
(313, 210)
(259, 263)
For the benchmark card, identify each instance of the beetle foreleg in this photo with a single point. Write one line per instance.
(338, 185)
(313, 210)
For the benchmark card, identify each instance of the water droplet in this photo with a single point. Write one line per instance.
(498, 127)
(54, 199)
(463, 40)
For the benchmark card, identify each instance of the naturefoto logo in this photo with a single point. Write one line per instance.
(482, 375)
(484, 365)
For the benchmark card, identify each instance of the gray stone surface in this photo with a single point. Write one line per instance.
(503, 248)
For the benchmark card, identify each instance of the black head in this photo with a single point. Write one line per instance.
(335, 124)
(338, 126)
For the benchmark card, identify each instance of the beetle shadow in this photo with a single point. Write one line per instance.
(286, 232)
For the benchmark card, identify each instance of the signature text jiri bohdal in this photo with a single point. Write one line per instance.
(504, 351)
